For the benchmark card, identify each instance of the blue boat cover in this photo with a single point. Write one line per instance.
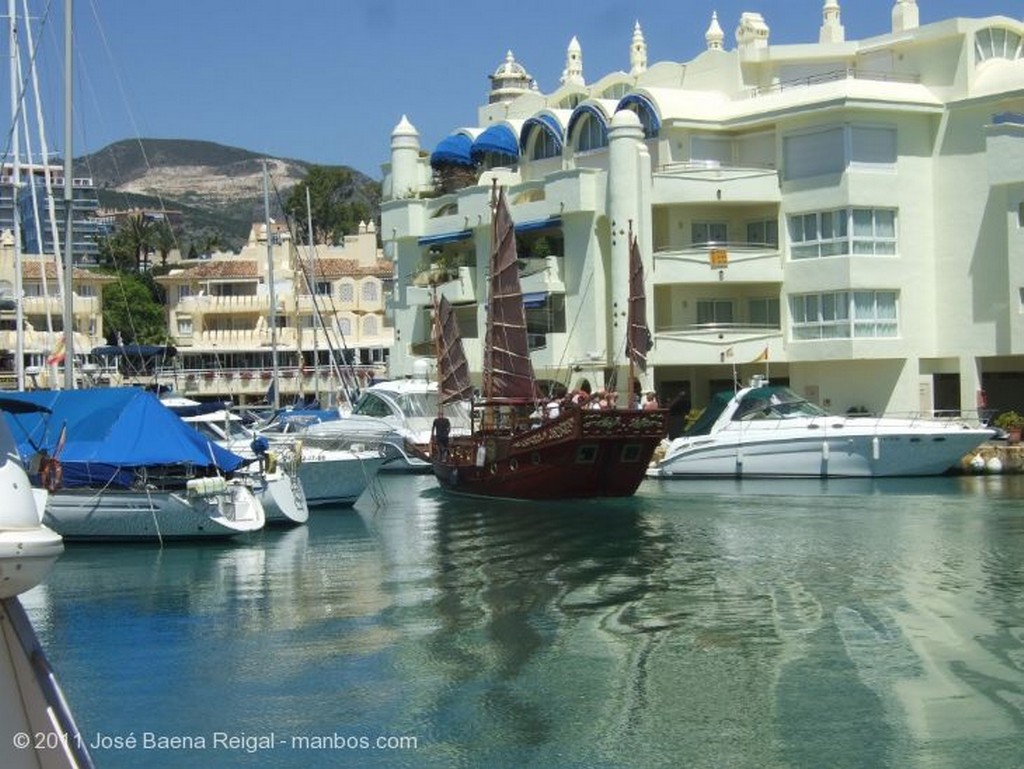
(498, 138)
(452, 149)
(110, 432)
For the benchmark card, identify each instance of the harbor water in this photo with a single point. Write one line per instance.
(721, 624)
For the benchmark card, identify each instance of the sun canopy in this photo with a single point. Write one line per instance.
(453, 149)
(111, 431)
(499, 139)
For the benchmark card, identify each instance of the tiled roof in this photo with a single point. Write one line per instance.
(332, 268)
(221, 269)
(30, 270)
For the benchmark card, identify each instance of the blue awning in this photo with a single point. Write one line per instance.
(538, 224)
(535, 299)
(445, 237)
(453, 150)
(645, 110)
(543, 123)
(499, 139)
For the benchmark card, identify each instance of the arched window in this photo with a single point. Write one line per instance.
(997, 43)
(345, 325)
(369, 290)
(347, 291)
(370, 325)
(591, 134)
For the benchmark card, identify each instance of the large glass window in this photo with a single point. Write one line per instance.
(828, 151)
(844, 315)
(763, 233)
(544, 145)
(764, 311)
(702, 233)
(711, 312)
(842, 232)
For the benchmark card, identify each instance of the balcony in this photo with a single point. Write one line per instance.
(718, 263)
(711, 344)
(54, 305)
(248, 304)
(542, 275)
(707, 181)
(458, 285)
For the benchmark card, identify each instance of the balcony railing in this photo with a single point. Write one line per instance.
(850, 73)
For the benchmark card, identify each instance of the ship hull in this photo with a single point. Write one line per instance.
(578, 455)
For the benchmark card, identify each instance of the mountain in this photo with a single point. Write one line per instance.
(218, 189)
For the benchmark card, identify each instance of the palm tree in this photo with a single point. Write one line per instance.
(165, 240)
(139, 229)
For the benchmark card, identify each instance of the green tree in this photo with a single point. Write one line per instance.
(336, 206)
(133, 306)
(164, 240)
(139, 230)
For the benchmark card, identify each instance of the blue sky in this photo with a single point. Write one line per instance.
(327, 80)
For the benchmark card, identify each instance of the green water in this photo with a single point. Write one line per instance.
(699, 624)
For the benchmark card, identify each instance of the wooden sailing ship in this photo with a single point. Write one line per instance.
(521, 445)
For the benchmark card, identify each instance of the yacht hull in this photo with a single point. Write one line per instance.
(842, 454)
(114, 514)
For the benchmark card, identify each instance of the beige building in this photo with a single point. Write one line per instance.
(328, 310)
(42, 307)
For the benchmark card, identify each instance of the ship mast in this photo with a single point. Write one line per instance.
(69, 263)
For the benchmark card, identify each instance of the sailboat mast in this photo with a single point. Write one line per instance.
(317, 320)
(19, 322)
(273, 296)
(69, 263)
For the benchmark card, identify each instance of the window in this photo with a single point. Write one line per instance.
(345, 326)
(184, 292)
(764, 311)
(369, 291)
(591, 134)
(813, 154)
(322, 288)
(997, 43)
(544, 145)
(184, 325)
(844, 315)
(763, 233)
(370, 325)
(703, 233)
(714, 311)
(828, 233)
(831, 150)
(347, 292)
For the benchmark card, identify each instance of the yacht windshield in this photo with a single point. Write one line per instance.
(775, 403)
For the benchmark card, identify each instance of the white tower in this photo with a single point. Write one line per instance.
(625, 172)
(752, 31)
(905, 15)
(637, 52)
(573, 72)
(405, 153)
(832, 30)
(715, 36)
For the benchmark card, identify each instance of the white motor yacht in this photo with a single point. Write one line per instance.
(770, 431)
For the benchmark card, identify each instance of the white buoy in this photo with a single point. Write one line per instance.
(977, 463)
(994, 465)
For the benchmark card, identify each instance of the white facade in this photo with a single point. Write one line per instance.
(854, 208)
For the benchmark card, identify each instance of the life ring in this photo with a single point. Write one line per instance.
(51, 474)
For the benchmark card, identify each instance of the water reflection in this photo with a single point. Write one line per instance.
(699, 624)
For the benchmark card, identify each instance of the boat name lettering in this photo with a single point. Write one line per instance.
(553, 433)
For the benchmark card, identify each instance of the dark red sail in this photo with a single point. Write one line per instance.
(452, 367)
(638, 335)
(508, 370)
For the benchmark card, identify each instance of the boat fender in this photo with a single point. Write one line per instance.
(481, 455)
(824, 451)
(876, 449)
(51, 474)
(271, 461)
(513, 464)
(298, 453)
(494, 468)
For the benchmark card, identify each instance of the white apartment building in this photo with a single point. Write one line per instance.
(851, 210)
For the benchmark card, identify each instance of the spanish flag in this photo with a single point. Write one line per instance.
(58, 355)
(763, 357)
